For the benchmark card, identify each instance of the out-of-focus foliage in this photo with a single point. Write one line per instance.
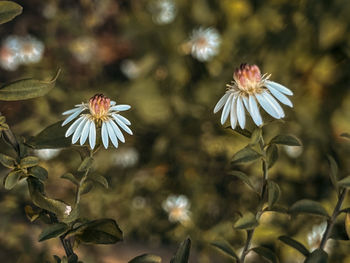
(126, 51)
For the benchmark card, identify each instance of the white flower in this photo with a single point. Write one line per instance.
(47, 154)
(31, 50)
(248, 89)
(204, 43)
(314, 237)
(102, 113)
(177, 208)
(163, 11)
(9, 53)
(83, 49)
(130, 69)
(125, 157)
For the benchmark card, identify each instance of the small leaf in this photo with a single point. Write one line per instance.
(31, 214)
(26, 89)
(183, 253)
(86, 187)
(248, 221)
(271, 155)
(317, 256)
(347, 224)
(38, 172)
(247, 154)
(29, 161)
(244, 178)
(12, 179)
(86, 164)
(309, 207)
(286, 140)
(226, 248)
(146, 258)
(274, 192)
(52, 231)
(99, 179)
(256, 136)
(345, 182)
(333, 172)
(266, 253)
(70, 177)
(9, 10)
(277, 208)
(243, 132)
(295, 244)
(7, 161)
(345, 135)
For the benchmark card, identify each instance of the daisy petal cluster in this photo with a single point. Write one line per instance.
(100, 114)
(177, 208)
(247, 91)
(205, 43)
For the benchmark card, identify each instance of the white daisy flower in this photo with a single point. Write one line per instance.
(31, 50)
(84, 49)
(9, 53)
(248, 89)
(99, 114)
(314, 237)
(177, 208)
(205, 43)
(163, 11)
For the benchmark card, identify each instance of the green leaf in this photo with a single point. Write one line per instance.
(256, 136)
(51, 137)
(345, 182)
(52, 231)
(333, 172)
(8, 11)
(12, 179)
(86, 187)
(226, 248)
(245, 155)
(286, 140)
(29, 161)
(146, 258)
(70, 177)
(309, 207)
(274, 193)
(244, 178)
(38, 172)
(31, 214)
(271, 155)
(295, 244)
(317, 256)
(99, 179)
(266, 253)
(345, 135)
(277, 208)
(101, 231)
(183, 253)
(86, 164)
(247, 221)
(26, 89)
(7, 161)
(243, 132)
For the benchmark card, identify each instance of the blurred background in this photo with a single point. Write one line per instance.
(170, 60)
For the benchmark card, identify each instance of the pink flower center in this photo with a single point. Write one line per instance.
(248, 78)
(99, 106)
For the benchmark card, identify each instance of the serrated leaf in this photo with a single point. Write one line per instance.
(295, 244)
(38, 172)
(256, 136)
(99, 179)
(271, 155)
(317, 256)
(345, 135)
(286, 140)
(26, 89)
(247, 221)
(309, 207)
(345, 182)
(245, 155)
(183, 253)
(7, 161)
(86, 187)
(333, 172)
(245, 179)
(266, 254)
(9, 10)
(347, 224)
(274, 193)
(52, 231)
(29, 161)
(146, 258)
(86, 164)
(225, 247)
(70, 177)
(12, 179)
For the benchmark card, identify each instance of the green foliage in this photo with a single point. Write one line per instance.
(146, 258)
(8, 11)
(242, 176)
(333, 172)
(12, 179)
(247, 221)
(7, 161)
(245, 155)
(345, 182)
(271, 155)
(86, 164)
(309, 207)
(70, 177)
(38, 172)
(266, 253)
(98, 179)
(52, 231)
(317, 256)
(225, 247)
(183, 252)
(274, 193)
(29, 161)
(286, 140)
(294, 244)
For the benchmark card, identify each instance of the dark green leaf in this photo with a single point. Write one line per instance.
(26, 89)
(333, 172)
(86, 187)
(183, 253)
(247, 154)
(244, 178)
(9, 10)
(7, 161)
(266, 253)
(146, 258)
(70, 177)
(277, 208)
(317, 256)
(52, 231)
(99, 179)
(38, 172)
(286, 140)
(226, 248)
(274, 192)
(12, 179)
(309, 207)
(243, 132)
(271, 155)
(31, 214)
(86, 164)
(345, 182)
(248, 221)
(29, 161)
(256, 136)
(345, 135)
(295, 244)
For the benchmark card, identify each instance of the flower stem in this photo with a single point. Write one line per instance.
(331, 221)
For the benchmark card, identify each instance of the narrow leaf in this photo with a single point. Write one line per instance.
(70, 177)
(247, 154)
(345, 182)
(183, 253)
(333, 172)
(274, 193)
(12, 179)
(29, 161)
(99, 179)
(146, 258)
(286, 140)
(248, 221)
(52, 231)
(266, 254)
(309, 207)
(86, 164)
(225, 247)
(256, 136)
(8, 11)
(317, 256)
(295, 244)
(86, 187)
(244, 178)
(271, 155)
(38, 172)
(7, 161)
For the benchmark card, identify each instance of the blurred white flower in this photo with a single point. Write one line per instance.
(177, 208)
(314, 237)
(139, 202)
(163, 11)
(130, 69)
(47, 154)
(293, 151)
(205, 43)
(50, 10)
(102, 113)
(68, 210)
(9, 53)
(248, 88)
(83, 49)
(126, 157)
(31, 50)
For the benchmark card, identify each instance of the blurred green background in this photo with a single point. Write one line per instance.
(127, 51)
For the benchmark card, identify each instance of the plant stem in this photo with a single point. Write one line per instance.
(11, 139)
(331, 221)
(83, 179)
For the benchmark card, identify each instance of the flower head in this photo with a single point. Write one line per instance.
(177, 208)
(247, 88)
(31, 50)
(163, 11)
(204, 43)
(10, 53)
(100, 113)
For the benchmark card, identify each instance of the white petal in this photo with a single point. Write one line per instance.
(233, 115)
(123, 119)
(274, 102)
(226, 109)
(73, 127)
(280, 96)
(92, 135)
(85, 132)
(79, 130)
(112, 103)
(246, 103)
(121, 107)
(111, 134)
(254, 111)
(240, 112)
(270, 105)
(279, 87)
(117, 131)
(221, 102)
(122, 124)
(104, 135)
(68, 112)
(73, 116)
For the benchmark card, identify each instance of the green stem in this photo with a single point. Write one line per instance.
(83, 179)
